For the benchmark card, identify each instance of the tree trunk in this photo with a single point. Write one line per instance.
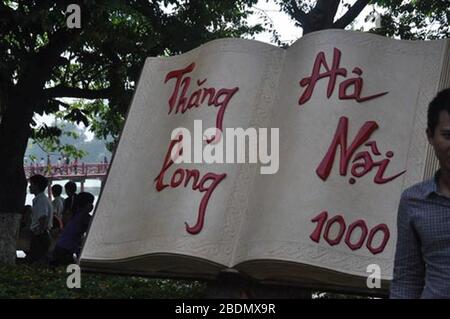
(14, 134)
(321, 16)
(9, 228)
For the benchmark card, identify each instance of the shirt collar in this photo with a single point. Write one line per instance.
(432, 186)
(40, 194)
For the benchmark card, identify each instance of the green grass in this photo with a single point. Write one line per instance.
(21, 281)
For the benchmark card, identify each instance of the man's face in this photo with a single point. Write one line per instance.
(33, 188)
(86, 209)
(441, 140)
(68, 191)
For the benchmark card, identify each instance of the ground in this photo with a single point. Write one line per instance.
(21, 281)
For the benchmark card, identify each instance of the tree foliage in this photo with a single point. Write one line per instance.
(321, 14)
(101, 61)
(416, 19)
(410, 19)
(41, 56)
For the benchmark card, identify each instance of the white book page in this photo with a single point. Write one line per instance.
(134, 217)
(279, 222)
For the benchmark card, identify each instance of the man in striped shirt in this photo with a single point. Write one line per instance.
(422, 258)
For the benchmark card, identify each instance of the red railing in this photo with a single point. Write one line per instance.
(68, 170)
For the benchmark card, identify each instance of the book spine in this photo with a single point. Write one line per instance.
(431, 161)
(262, 112)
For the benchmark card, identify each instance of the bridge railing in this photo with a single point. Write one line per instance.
(70, 170)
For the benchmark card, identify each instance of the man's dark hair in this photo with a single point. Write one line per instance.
(70, 187)
(440, 103)
(83, 199)
(40, 181)
(56, 190)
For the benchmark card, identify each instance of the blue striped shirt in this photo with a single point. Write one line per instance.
(422, 258)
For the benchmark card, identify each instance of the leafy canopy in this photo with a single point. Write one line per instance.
(102, 60)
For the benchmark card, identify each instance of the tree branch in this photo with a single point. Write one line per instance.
(33, 76)
(64, 91)
(322, 15)
(332, 9)
(63, 104)
(298, 13)
(351, 14)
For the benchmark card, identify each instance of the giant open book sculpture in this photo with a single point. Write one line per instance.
(351, 112)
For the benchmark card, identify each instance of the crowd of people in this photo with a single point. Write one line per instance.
(56, 229)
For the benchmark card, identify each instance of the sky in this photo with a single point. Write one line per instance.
(281, 21)
(285, 26)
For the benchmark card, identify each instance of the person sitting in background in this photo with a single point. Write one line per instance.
(71, 191)
(70, 240)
